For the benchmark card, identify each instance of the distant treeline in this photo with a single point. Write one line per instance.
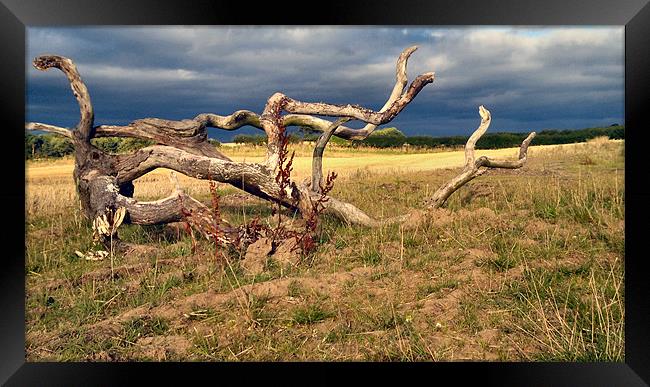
(392, 137)
(260, 139)
(507, 140)
(51, 145)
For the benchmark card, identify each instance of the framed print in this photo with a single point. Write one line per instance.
(375, 191)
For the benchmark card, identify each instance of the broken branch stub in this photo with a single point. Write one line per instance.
(104, 181)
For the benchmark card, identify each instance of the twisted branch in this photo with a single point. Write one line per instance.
(473, 166)
(159, 130)
(85, 125)
(104, 181)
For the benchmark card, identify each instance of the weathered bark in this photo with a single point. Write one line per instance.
(319, 149)
(48, 128)
(92, 171)
(188, 135)
(105, 181)
(84, 128)
(253, 178)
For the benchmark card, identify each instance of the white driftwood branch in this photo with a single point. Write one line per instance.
(85, 125)
(48, 128)
(473, 166)
(317, 159)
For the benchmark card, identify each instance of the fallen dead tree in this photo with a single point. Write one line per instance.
(104, 181)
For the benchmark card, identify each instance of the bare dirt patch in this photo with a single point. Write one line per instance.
(162, 348)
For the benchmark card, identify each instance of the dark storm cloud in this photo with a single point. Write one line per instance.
(530, 78)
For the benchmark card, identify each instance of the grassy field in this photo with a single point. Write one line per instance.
(521, 265)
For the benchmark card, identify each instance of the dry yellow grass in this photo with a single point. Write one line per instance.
(520, 265)
(343, 162)
(50, 180)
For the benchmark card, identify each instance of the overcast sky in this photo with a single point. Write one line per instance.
(529, 78)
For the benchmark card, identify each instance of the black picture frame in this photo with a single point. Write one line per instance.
(16, 15)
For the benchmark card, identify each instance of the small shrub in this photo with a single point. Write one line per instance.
(371, 257)
(144, 327)
(311, 314)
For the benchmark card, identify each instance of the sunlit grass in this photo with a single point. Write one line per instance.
(521, 265)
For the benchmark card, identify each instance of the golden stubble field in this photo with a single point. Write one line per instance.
(49, 183)
(520, 265)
